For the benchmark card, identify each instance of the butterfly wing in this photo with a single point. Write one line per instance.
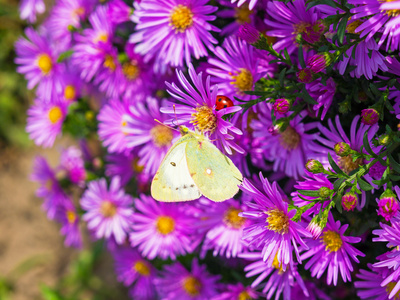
(172, 181)
(214, 173)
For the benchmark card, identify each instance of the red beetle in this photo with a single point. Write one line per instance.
(223, 102)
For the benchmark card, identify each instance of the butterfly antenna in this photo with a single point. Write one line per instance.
(170, 127)
(176, 117)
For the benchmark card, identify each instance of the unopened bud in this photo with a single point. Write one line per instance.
(248, 33)
(281, 106)
(319, 62)
(369, 116)
(342, 149)
(325, 192)
(384, 139)
(305, 75)
(349, 201)
(314, 166)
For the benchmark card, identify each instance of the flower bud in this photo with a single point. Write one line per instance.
(325, 192)
(319, 62)
(384, 139)
(342, 149)
(369, 116)
(349, 201)
(305, 75)
(314, 228)
(248, 33)
(314, 166)
(281, 106)
(388, 207)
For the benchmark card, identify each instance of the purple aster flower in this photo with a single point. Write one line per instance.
(177, 283)
(369, 286)
(45, 121)
(323, 94)
(198, 110)
(66, 214)
(37, 60)
(314, 293)
(367, 59)
(113, 121)
(235, 68)
(290, 20)
(133, 270)
(152, 138)
(279, 279)
(248, 33)
(237, 291)
(119, 11)
(108, 210)
(71, 161)
(225, 228)
(383, 19)
(388, 206)
(273, 229)
(173, 30)
(163, 230)
(122, 165)
(29, 8)
(290, 149)
(333, 251)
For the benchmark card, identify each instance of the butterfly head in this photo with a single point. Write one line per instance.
(183, 130)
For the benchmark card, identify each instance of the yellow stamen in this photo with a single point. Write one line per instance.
(108, 209)
(161, 135)
(347, 164)
(55, 114)
(244, 296)
(142, 268)
(390, 12)
(136, 167)
(44, 63)
(131, 70)
(204, 119)
(109, 62)
(192, 286)
(389, 287)
(242, 14)
(232, 218)
(71, 216)
(277, 221)
(332, 241)
(351, 27)
(69, 92)
(102, 37)
(181, 18)
(289, 139)
(243, 80)
(165, 225)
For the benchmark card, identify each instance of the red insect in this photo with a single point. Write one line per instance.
(223, 102)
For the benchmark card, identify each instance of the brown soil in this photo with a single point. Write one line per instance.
(31, 248)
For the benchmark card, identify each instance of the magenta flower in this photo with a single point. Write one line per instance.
(237, 291)
(369, 116)
(272, 228)
(281, 106)
(122, 165)
(349, 201)
(163, 230)
(177, 283)
(119, 11)
(387, 207)
(248, 33)
(68, 217)
(71, 161)
(108, 209)
(369, 286)
(45, 119)
(198, 111)
(323, 94)
(332, 251)
(29, 8)
(173, 30)
(251, 3)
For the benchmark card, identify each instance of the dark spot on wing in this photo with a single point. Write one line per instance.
(173, 164)
(184, 186)
(176, 189)
(192, 185)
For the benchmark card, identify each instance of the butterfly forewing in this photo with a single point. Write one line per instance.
(172, 181)
(214, 173)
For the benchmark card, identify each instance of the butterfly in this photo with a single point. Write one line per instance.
(194, 167)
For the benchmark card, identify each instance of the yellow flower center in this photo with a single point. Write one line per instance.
(44, 63)
(131, 70)
(389, 287)
(102, 37)
(301, 27)
(181, 18)
(69, 92)
(351, 27)
(109, 62)
(243, 80)
(347, 164)
(142, 268)
(277, 221)
(332, 241)
(390, 12)
(165, 225)
(162, 135)
(136, 167)
(244, 296)
(242, 14)
(108, 209)
(232, 218)
(71, 216)
(55, 114)
(289, 139)
(204, 119)
(77, 13)
(191, 286)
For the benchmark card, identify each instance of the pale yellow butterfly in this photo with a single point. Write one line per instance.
(194, 167)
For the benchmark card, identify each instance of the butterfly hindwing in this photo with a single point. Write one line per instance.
(172, 181)
(214, 173)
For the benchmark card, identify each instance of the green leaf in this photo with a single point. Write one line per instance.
(281, 76)
(64, 55)
(338, 183)
(306, 96)
(364, 185)
(309, 193)
(367, 146)
(334, 166)
(342, 28)
(338, 201)
(394, 164)
(301, 57)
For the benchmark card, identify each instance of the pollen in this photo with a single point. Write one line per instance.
(55, 114)
(242, 14)
(69, 92)
(390, 12)
(351, 27)
(191, 286)
(109, 62)
(332, 241)
(142, 268)
(289, 139)
(277, 221)
(108, 209)
(165, 225)
(389, 287)
(102, 37)
(347, 164)
(244, 296)
(44, 63)
(71, 216)
(204, 119)
(232, 218)
(77, 13)
(136, 167)
(243, 80)
(181, 18)
(161, 135)
(276, 264)
(131, 70)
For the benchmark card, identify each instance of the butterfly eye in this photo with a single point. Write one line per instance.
(223, 102)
